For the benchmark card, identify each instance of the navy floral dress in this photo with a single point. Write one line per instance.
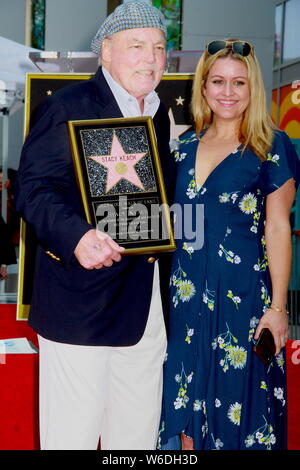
(215, 388)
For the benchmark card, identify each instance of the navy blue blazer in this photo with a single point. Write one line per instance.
(71, 304)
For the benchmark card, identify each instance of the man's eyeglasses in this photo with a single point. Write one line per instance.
(242, 48)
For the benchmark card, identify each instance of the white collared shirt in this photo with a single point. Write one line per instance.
(127, 103)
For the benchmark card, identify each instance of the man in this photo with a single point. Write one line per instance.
(7, 249)
(98, 314)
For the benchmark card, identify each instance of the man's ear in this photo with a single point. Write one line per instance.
(106, 50)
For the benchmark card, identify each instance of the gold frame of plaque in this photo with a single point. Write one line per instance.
(118, 170)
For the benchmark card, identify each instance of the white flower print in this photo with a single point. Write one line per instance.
(179, 156)
(189, 334)
(194, 189)
(218, 444)
(279, 394)
(178, 403)
(263, 436)
(253, 324)
(235, 298)
(217, 403)
(174, 145)
(234, 413)
(263, 385)
(280, 361)
(182, 397)
(262, 263)
(189, 139)
(229, 255)
(248, 203)
(188, 248)
(190, 377)
(226, 197)
(250, 441)
(161, 430)
(191, 192)
(197, 405)
(265, 296)
(273, 158)
(208, 298)
(237, 357)
(204, 429)
(186, 290)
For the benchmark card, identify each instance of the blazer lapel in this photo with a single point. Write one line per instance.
(103, 95)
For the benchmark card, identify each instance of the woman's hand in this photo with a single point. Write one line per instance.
(277, 322)
(187, 443)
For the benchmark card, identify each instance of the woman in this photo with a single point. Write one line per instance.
(218, 394)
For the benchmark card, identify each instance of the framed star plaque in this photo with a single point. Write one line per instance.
(120, 179)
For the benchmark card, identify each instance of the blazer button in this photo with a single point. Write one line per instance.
(151, 259)
(52, 255)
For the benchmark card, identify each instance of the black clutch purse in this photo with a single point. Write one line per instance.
(265, 346)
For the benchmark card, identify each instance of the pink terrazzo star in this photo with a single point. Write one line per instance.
(120, 165)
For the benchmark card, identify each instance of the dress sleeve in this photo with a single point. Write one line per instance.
(282, 163)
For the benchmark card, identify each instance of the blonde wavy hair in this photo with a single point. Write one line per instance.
(257, 128)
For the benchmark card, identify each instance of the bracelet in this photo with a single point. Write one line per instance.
(277, 309)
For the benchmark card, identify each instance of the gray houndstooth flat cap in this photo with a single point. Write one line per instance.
(129, 15)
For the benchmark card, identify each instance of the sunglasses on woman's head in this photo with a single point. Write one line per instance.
(242, 48)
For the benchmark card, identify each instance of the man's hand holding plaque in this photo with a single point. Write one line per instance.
(96, 249)
(121, 184)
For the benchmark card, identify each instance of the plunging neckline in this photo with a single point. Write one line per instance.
(199, 186)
